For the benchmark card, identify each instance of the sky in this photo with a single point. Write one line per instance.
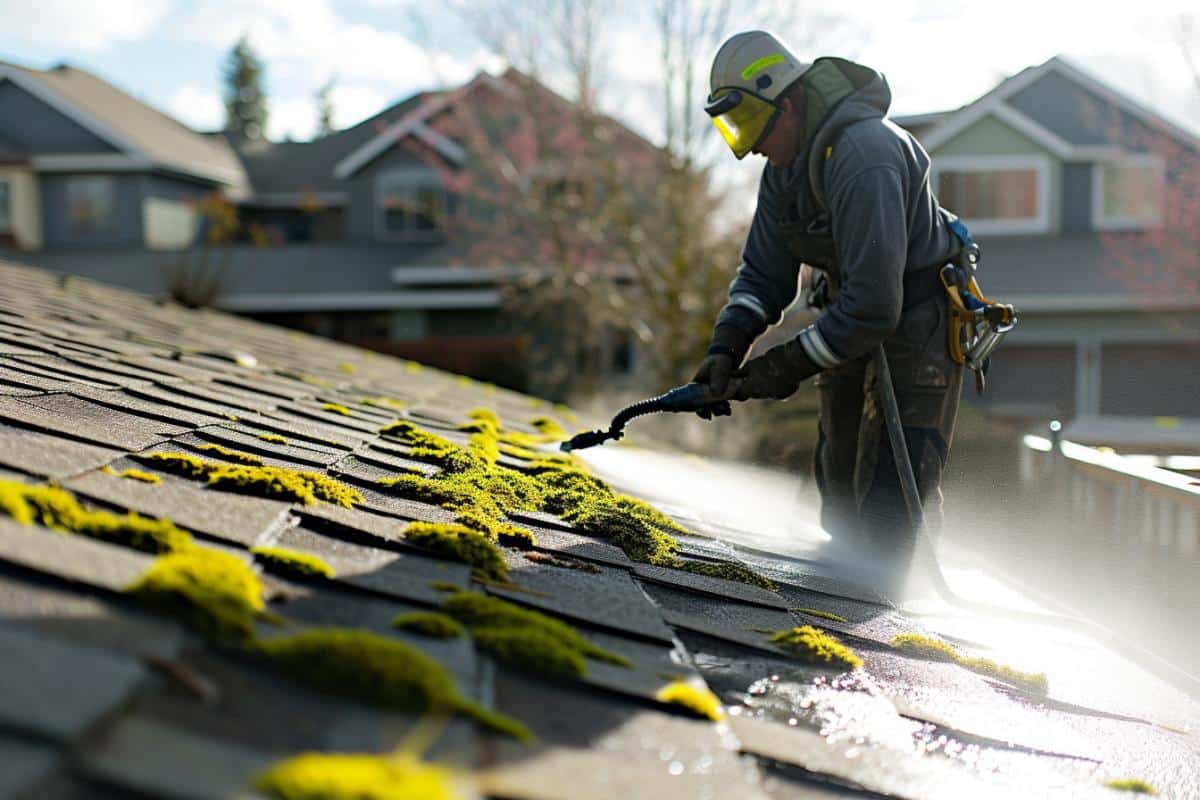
(937, 55)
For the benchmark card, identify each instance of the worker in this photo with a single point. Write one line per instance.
(846, 193)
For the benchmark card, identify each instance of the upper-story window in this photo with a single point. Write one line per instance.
(995, 194)
(91, 203)
(1128, 193)
(411, 203)
(5, 207)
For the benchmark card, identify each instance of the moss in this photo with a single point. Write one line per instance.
(304, 565)
(445, 586)
(486, 415)
(562, 563)
(274, 482)
(413, 367)
(390, 403)
(504, 533)
(698, 700)
(133, 474)
(525, 639)
(1135, 785)
(566, 413)
(347, 368)
(273, 437)
(349, 776)
(816, 612)
(927, 647)
(429, 623)
(59, 510)
(377, 670)
(215, 592)
(817, 647)
(459, 543)
(549, 427)
(335, 408)
(729, 570)
(231, 455)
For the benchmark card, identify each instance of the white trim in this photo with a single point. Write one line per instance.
(361, 301)
(96, 162)
(960, 120)
(443, 275)
(51, 98)
(1024, 125)
(1083, 303)
(8, 211)
(1105, 223)
(451, 150)
(1041, 164)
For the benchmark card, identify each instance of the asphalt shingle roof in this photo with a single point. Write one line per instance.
(102, 695)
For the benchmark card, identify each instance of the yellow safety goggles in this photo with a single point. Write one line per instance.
(743, 119)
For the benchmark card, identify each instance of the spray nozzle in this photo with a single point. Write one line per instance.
(689, 397)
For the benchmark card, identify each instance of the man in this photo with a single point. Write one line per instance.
(847, 193)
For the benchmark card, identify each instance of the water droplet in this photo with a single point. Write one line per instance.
(792, 721)
(675, 768)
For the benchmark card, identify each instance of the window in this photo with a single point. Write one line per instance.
(91, 204)
(1128, 193)
(412, 203)
(995, 194)
(5, 207)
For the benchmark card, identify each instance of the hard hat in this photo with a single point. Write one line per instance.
(749, 73)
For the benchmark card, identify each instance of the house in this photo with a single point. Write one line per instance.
(1087, 208)
(366, 233)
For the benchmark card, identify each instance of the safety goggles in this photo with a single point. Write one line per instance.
(743, 118)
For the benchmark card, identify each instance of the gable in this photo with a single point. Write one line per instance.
(992, 137)
(38, 128)
(1078, 115)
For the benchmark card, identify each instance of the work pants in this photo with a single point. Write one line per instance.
(862, 504)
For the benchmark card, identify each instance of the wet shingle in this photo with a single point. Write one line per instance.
(718, 587)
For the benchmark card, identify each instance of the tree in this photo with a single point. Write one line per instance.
(324, 97)
(245, 100)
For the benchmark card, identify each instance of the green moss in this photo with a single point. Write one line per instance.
(1131, 785)
(215, 592)
(413, 367)
(274, 482)
(459, 543)
(231, 455)
(816, 612)
(347, 368)
(445, 586)
(525, 639)
(486, 415)
(817, 647)
(699, 700)
(133, 474)
(429, 623)
(927, 647)
(59, 510)
(334, 408)
(272, 437)
(504, 533)
(729, 570)
(377, 670)
(304, 565)
(549, 427)
(348, 776)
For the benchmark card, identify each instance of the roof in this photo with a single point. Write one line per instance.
(132, 126)
(1003, 101)
(137, 662)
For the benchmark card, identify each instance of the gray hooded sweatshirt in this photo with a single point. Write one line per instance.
(879, 208)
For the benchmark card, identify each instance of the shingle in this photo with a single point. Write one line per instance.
(317, 413)
(49, 456)
(163, 761)
(176, 396)
(718, 587)
(577, 546)
(738, 618)
(24, 764)
(51, 688)
(226, 395)
(124, 401)
(63, 413)
(51, 380)
(235, 518)
(97, 372)
(72, 558)
(242, 437)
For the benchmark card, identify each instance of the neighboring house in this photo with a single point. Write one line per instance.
(363, 247)
(1087, 208)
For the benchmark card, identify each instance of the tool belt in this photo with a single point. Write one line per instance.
(977, 323)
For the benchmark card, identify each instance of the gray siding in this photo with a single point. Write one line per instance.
(1076, 198)
(27, 121)
(1160, 379)
(56, 221)
(1077, 115)
(361, 222)
(1034, 380)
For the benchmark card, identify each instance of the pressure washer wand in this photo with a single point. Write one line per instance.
(689, 397)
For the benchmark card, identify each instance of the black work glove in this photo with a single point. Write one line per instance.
(729, 346)
(776, 374)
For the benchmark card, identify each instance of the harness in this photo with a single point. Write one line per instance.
(977, 324)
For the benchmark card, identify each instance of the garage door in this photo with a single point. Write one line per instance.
(1150, 379)
(1032, 381)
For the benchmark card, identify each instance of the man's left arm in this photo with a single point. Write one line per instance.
(870, 230)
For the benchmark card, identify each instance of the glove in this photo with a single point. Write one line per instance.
(729, 346)
(776, 374)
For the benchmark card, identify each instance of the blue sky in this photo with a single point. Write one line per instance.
(936, 54)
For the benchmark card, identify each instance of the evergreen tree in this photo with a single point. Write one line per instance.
(245, 101)
(325, 109)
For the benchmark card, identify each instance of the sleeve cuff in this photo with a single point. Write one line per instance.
(817, 349)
